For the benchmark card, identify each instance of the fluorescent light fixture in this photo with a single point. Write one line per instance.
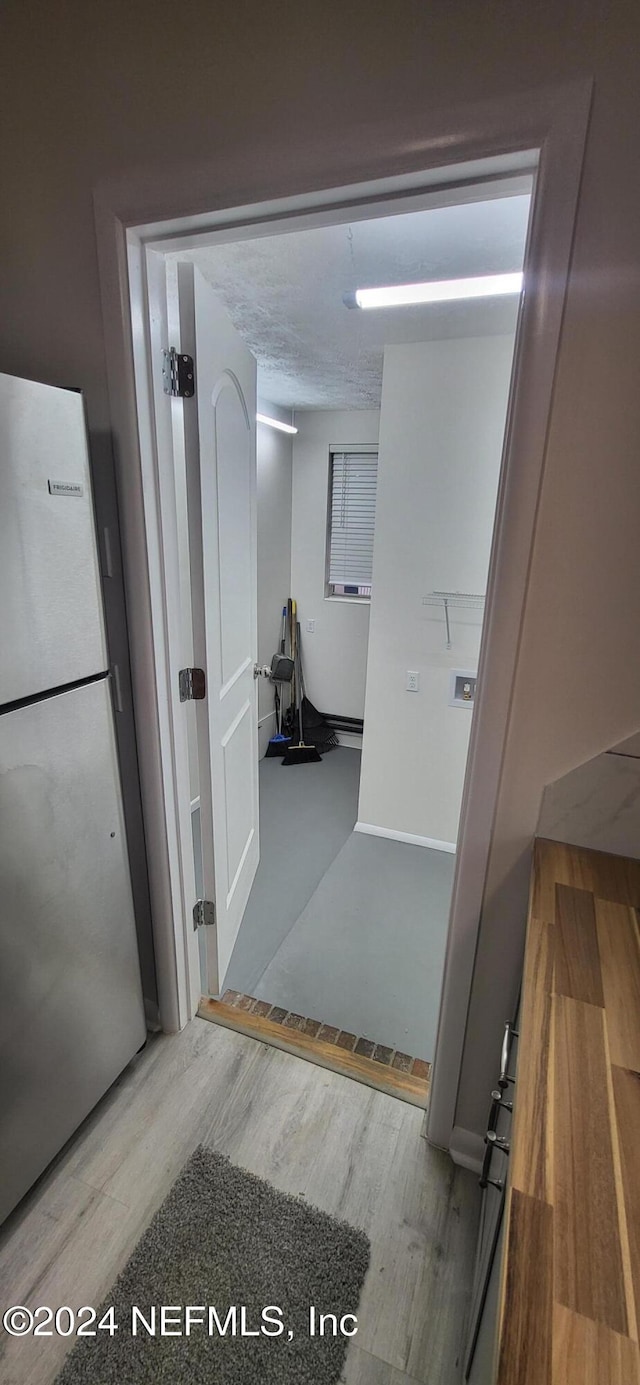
(435, 291)
(275, 423)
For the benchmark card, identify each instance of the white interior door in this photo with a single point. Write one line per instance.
(220, 448)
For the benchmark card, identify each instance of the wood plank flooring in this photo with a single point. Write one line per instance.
(355, 1152)
(571, 1303)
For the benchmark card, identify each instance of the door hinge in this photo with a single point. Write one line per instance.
(178, 374)
(204, 914)
(192, 684)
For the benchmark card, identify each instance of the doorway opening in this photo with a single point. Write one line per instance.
(378, 439)
(137, 222)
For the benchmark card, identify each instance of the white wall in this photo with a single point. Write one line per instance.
(272, 102)
(441, 431)
(335, 656)
(274, 458)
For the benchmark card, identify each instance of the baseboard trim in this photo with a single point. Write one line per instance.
(466, 1148)
(350, 740)
(370, 830)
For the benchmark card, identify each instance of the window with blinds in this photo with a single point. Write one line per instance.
(352, 516)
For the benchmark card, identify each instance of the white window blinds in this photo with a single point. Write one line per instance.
(352, 518)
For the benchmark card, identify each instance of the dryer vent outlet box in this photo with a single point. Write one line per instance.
(462, 687)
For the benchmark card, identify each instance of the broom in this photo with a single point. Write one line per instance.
(300, 754)
(314, 724)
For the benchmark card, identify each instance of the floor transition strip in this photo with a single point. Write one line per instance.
(386, 1069)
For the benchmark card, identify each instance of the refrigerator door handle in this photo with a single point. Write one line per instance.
(117, 688)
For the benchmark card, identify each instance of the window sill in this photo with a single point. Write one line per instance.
(350, 600)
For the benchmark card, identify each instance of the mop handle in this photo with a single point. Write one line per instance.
(299, 686)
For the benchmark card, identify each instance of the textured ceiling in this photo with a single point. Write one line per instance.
(284, 294)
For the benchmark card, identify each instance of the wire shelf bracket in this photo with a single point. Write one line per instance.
(471, 601)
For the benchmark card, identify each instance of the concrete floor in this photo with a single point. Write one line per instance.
(307, 813)
(341, 927)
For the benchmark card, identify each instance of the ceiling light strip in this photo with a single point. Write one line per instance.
(275, 423)
(436, 291)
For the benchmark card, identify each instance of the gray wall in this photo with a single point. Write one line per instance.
(442, 419)
(90, 92)
(335, 655)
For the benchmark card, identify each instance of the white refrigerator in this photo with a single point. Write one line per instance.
(71, 1010)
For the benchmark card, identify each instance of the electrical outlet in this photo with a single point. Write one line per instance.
(311, 627)
(413, 680)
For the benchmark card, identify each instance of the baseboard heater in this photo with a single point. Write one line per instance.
(354, 725)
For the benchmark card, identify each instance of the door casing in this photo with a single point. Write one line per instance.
(464, 148)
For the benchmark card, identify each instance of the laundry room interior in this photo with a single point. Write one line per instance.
(379, 439)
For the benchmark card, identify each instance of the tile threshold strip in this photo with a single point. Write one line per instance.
(391, 1071)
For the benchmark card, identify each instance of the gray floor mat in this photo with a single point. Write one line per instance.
(225, 1238)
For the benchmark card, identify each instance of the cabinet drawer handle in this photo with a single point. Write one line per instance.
(484, 1179)
(498, 1103)
(495, 1141)
(509, 1034)
(492, 1141)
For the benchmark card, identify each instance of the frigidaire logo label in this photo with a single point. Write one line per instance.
(65, 488)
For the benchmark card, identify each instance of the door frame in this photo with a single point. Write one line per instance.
(140, 215)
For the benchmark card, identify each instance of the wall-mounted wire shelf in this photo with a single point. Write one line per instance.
(470, 601)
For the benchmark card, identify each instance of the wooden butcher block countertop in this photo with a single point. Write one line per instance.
(570, 1305)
